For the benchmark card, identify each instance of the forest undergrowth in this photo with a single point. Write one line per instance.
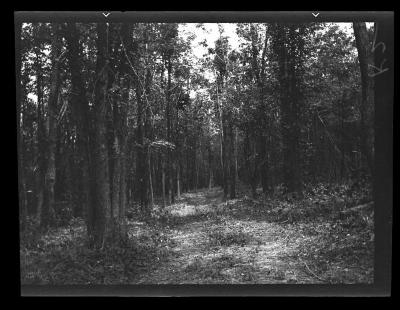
(326, 235)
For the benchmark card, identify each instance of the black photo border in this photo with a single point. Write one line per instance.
(383, 180)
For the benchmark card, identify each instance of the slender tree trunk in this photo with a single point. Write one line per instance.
(210, 171)
(21, 175)
(223, 136)
(120, 142)
(123, 190)
(116, 179)
(251, 174)
(178, 180)
(41, 141)
(264, 165)
(125, 32)
(169, 129)
(82, 120)
(289, 97)
(102, 223)
(149, 136)
(254, 170)
(188, 168)
(163, 180)
(47, 215)
(151, 194)
(196, 174)
(232, 162)
(365, 58)
(342, 135)
(236, 155)
(140, 163)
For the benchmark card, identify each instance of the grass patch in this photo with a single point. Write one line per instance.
(211, 269)
(222, 237)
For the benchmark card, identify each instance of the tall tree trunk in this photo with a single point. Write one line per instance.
(116, 178)
(102, 203)
(258, 73)
(188, 166)
(151, 192)
(120, 131)
(210, 171)
(168, 112)
(125, 33)
(178, 180)
(254, 169)
(232, 161)
(82, 120)
(264, 164)
(223, 135)
(225, 159)
(23, 212)
(149, 136)
(47, 215)
(250, 163)
(236, 155)
(41, 140)
(365, 58)
(289, 94)
(177, 154)
(342, 103)
(141, 163)
(123, 190)
(163, 180)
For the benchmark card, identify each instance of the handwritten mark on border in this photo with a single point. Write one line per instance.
(377, 70)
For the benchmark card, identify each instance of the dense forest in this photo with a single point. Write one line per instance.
(131, 135)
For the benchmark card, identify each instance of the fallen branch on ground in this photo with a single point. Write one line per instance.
(312, 273)
(357, 208)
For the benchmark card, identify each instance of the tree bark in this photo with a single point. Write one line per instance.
(178, 180)
(149, 136)
(41, 140)
(232, 161)
(210, 171)
(23, 212)
(222, 121)
(120, 129)
(168, 109)
(82, 121)
(264, 163)
(286, 49)
(163, 180)
(102, 203)
(47, 216)
(365, 58)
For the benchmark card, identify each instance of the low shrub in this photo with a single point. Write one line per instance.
(219, 237)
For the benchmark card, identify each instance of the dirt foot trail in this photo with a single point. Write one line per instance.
(210, 245)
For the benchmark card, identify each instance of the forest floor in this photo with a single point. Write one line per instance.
(202, 239)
